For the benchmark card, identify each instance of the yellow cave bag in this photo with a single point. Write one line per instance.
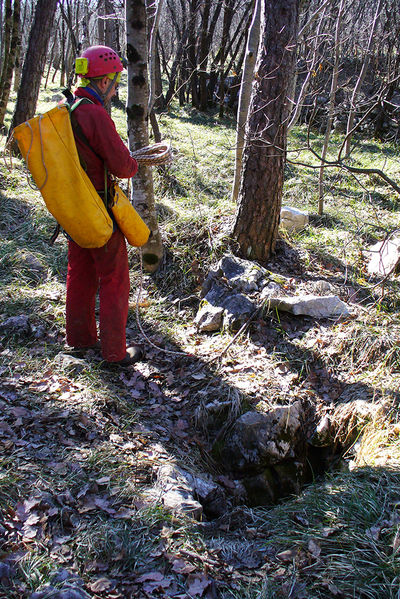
(48, 146)
(132, 226)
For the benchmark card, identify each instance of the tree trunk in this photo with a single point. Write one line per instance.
(260, 196)
(137, 113)
(360, 80)
(34, 66)
(245, 94)
(228, 15)
(203, 56)
(9, 63)
(332, 95)
(153, 56)
(6, 36)
(191, 54)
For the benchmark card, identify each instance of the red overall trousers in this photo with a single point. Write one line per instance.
(104, 269)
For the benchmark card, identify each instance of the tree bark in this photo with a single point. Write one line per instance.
(203, 56)
(137, 114)
(153, 56)
(9, 63)
(33, 67)
(5, 46)
(334, 85)
(245, 94)
(257, 221)
(360, 80)
(228, 15)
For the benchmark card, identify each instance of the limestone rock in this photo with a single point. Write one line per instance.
(293, 219)
(259, 440)
(323, 287)
(316, 306)
(180, 501)
(209, 318)
(384, 257)
(238, 308)
(235, 273)
(181, 491)
(73, 363)
(241, 274)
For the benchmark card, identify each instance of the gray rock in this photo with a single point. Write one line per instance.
(185, 492)
(16, 325)
(238, 308)
(316, 306)
(384, 257)
(323, 287)
(71, 362)
(220, 307)
(270, 290)
(259, 440)
(293, 219)
(241, 274)
(175, 493)
(209, 318)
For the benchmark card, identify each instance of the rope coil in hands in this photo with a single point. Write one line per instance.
(154, 155)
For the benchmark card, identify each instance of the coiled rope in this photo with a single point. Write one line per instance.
(157, 154)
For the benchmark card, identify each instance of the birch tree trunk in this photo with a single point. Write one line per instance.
(245, 94)
(137, 115)
(260, 195)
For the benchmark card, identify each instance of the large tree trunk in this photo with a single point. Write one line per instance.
(36, 61)
(137, 113)
(9, 63)
(260, 196)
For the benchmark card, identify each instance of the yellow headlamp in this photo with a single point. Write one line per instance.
(81, 66)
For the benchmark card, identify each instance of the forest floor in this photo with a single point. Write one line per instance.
(81, 445)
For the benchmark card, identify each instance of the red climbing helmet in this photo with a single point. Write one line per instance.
(97, 61)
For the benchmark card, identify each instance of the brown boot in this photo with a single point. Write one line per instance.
(133, 354)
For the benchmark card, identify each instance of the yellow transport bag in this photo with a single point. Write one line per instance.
(48, 146)
(128, 220)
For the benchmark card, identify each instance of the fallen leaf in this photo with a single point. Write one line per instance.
(155, 576)
(181, 567)
(101, 584)
(198, 584)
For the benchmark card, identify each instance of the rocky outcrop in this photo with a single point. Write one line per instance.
(267, 451)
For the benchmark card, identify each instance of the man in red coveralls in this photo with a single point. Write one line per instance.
(106, 268)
